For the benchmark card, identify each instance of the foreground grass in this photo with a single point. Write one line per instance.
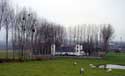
(63, 67)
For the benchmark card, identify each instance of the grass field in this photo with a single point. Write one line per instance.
(63, 67)
(10, 54)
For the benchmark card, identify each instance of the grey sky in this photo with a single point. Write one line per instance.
(73, 12)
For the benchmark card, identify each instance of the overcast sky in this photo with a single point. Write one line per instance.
(73, 12)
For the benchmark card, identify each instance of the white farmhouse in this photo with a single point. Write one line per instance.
(53, 49)
(75, 50)
(79, 50)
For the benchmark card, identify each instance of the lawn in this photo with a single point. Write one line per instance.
(63, 67)
(10, 54)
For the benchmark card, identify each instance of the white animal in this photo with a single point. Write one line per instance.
(75, 63)
(101, 66)
(92, 66)
(109, 70)
(81, 70)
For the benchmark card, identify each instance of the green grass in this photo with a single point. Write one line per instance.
(3, 54)
(63, 67)
(118, 58)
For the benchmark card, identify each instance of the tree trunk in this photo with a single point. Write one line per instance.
(6, 41)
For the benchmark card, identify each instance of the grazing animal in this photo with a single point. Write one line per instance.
(109, 70)
(75, 63)
(81, 71)
(92, 66)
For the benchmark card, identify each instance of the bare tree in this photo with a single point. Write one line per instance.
(106, 32)
(3, 6)
(26, 22)
(46, 34)
(6, 18)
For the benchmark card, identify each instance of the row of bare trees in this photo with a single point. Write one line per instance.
(30, 34)
(33, 35)
(92, 37)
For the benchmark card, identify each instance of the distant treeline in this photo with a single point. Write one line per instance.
(32, 33)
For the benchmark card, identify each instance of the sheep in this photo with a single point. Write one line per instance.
(92, 66)
(109, 70)
(82, 71)
(75, 63)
